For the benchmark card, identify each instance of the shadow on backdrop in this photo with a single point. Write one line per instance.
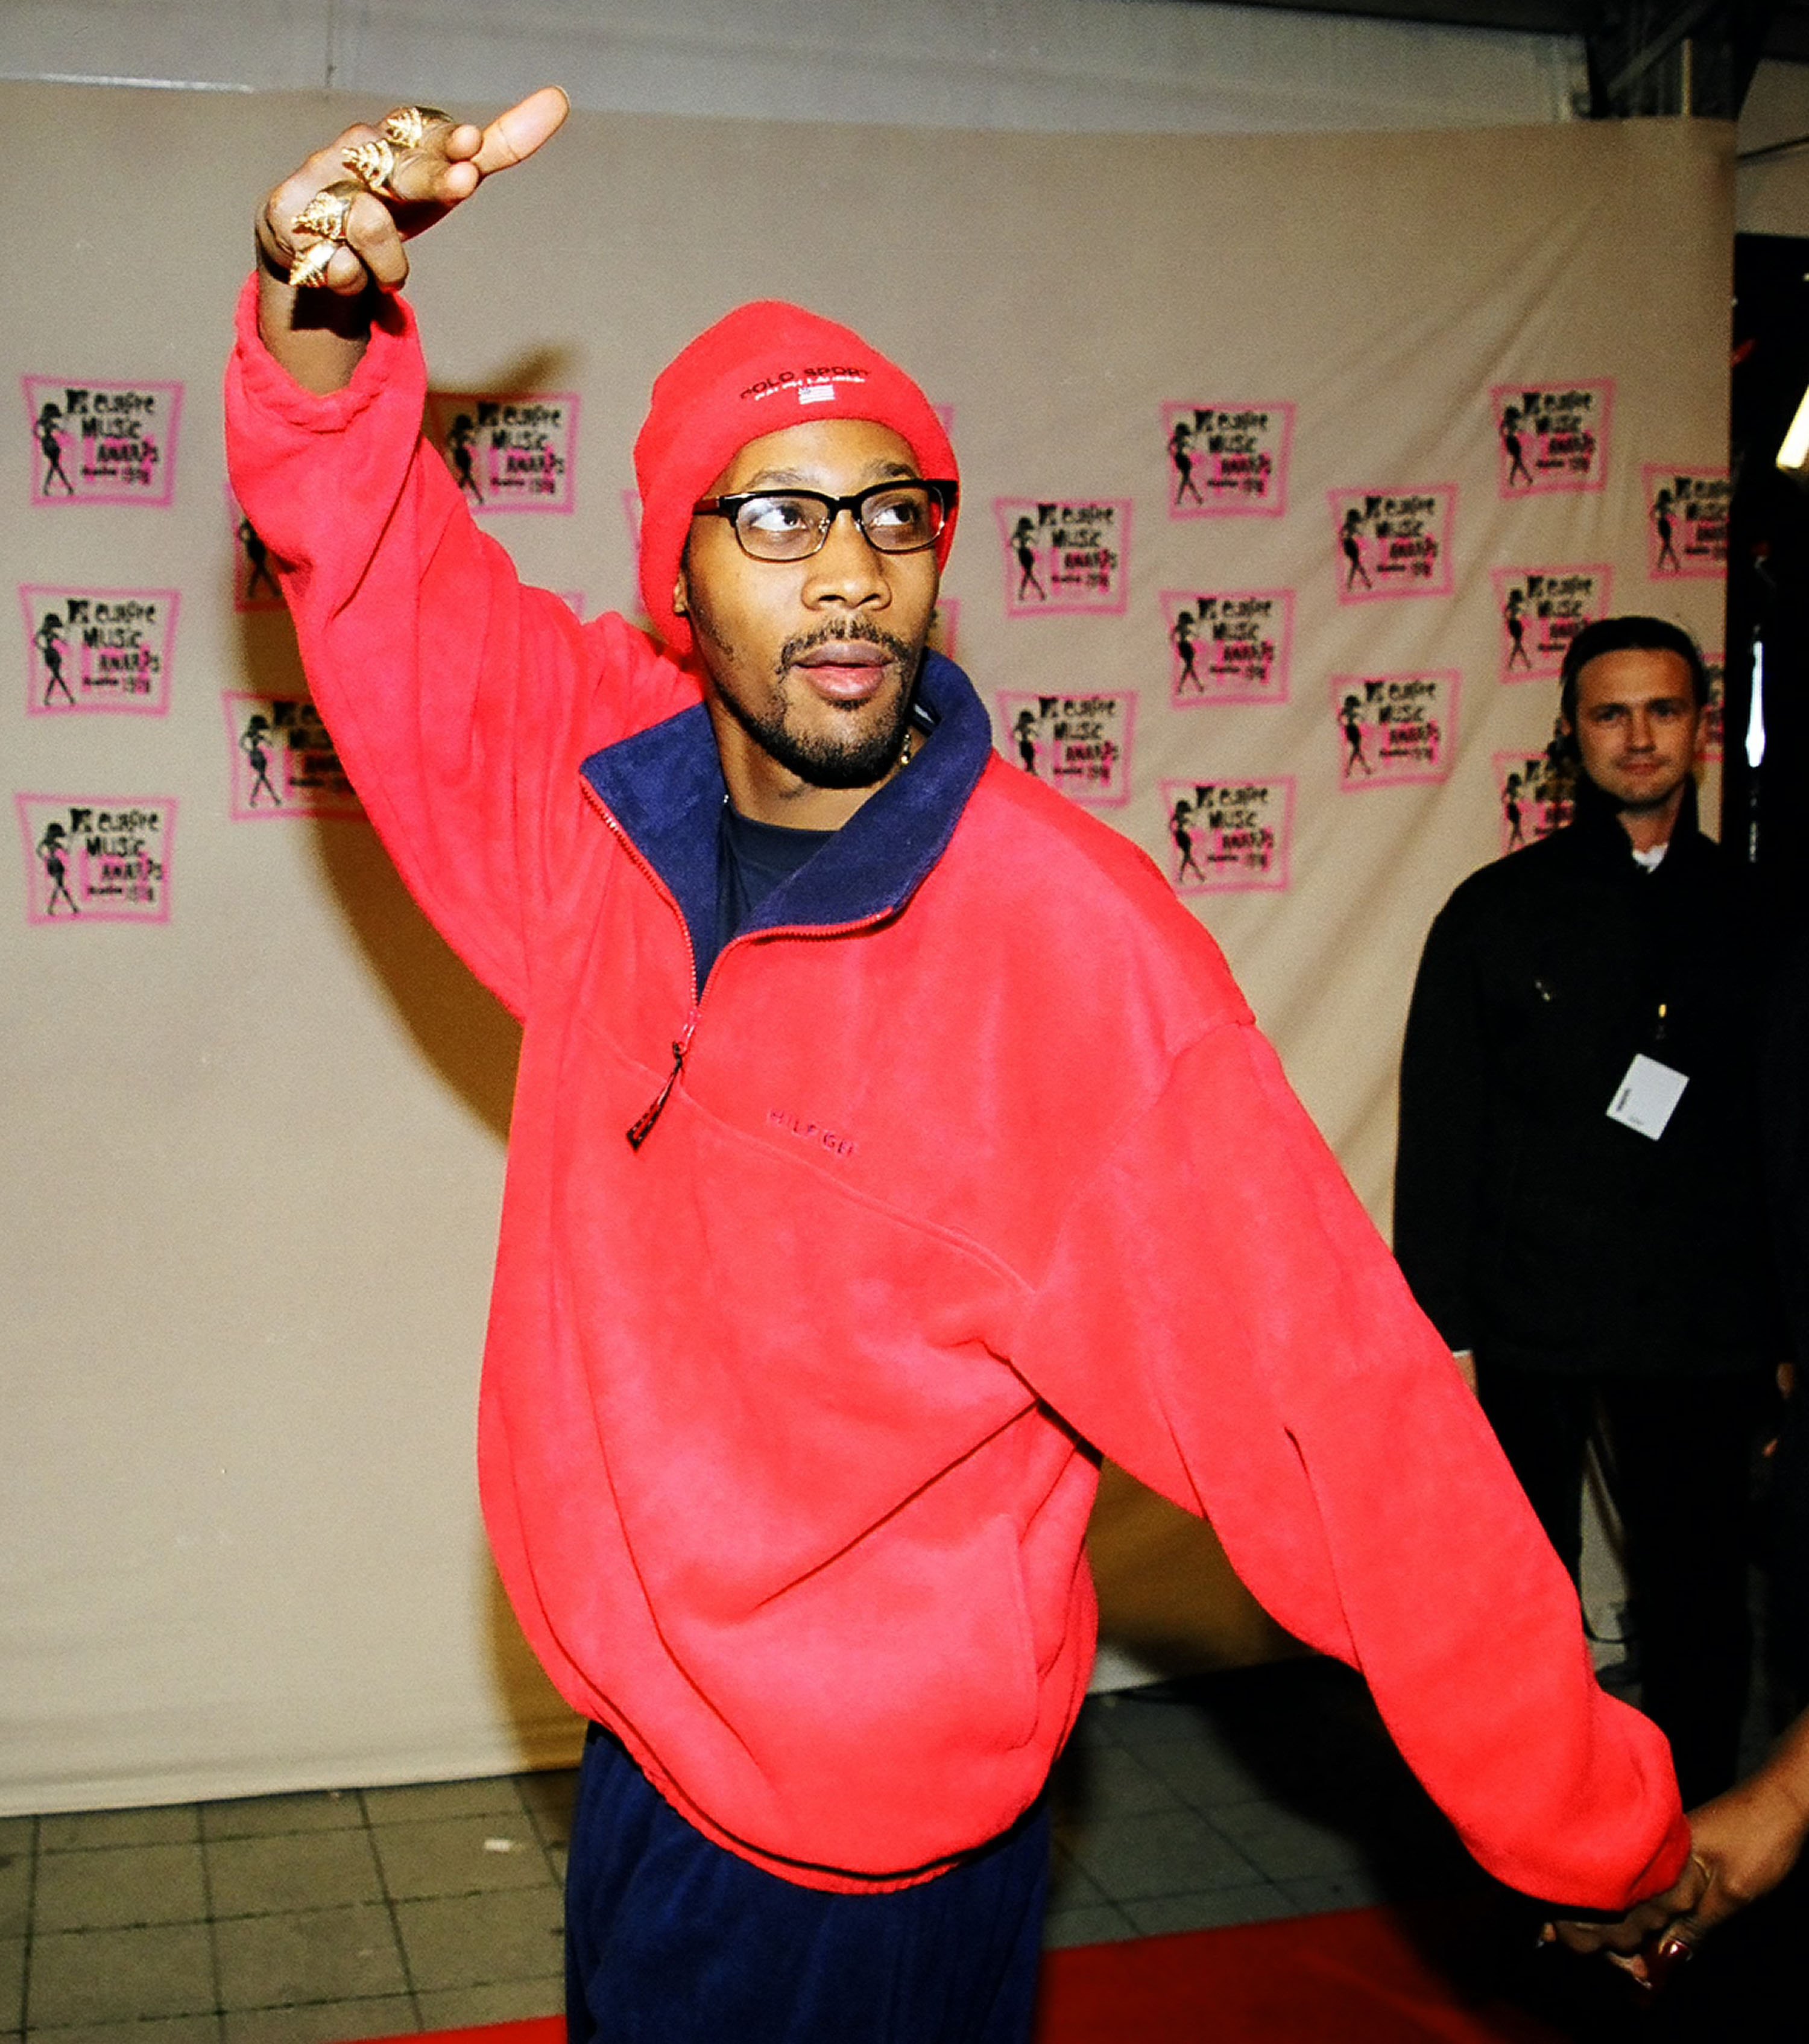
(548, 1732)
(461, 1029)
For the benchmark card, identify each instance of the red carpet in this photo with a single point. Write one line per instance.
(1361, 1976)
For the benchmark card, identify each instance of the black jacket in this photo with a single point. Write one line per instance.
(1785, 1078)
(1531, 1227)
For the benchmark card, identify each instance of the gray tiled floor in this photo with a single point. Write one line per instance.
(358, 1914)
(284, 1919)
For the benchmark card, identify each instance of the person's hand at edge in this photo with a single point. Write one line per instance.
(1742, 1845)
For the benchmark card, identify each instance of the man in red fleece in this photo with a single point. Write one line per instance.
(819, 1290)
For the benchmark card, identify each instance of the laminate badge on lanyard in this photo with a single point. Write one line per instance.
(1647, 1097)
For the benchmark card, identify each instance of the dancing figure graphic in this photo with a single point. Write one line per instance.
(1351, 720)
(1514, 617)
(1024, 732)
(1024, 544)
(50, 444)
(1181, 453)
(1663, 505)
(255, 745)
(1350, 539)
(1511, 419)
(257, 561)
(1183, 840)
(50, 849)
(1182, 638)
(52, 647)
(1511, 811)
(461, 438)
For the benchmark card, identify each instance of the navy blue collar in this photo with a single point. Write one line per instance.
(664, 787)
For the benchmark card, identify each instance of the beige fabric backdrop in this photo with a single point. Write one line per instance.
(252, 1153)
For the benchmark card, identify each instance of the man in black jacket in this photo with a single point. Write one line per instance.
(1578, 1203)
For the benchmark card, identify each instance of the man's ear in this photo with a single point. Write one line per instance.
(680, 596)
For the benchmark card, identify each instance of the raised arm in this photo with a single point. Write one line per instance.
(344, 218)
(461, 701)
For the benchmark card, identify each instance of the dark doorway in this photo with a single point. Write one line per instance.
(1765, 809)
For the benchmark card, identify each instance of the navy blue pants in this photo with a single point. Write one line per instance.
(670, 1939)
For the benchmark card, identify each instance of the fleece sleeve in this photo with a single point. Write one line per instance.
(461, 702)
(1220, 1317)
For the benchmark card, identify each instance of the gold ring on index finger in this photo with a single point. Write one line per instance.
(323, 220)
(407, 126)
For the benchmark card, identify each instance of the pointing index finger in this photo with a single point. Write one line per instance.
(513, 137)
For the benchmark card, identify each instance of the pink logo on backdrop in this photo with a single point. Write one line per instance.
(97, 858)
(1394, 729)
(1228, 460)
(1225, 837)
(282, 761)
(1229, 646)
(102, 443)
(1551, 437)
(1686, 522)
(1078, 743)
(1542, 610)
(1393, 541)
(1533, 794)
(98, 649)
(515, 451)
(1062, 558)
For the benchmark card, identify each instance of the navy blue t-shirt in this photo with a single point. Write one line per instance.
(752, 860)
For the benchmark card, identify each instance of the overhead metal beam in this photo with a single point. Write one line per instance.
(1531, 17)
(1659, 45)
(1651, 57)
(1712, 47)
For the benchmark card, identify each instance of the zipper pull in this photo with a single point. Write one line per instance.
(643, 1128)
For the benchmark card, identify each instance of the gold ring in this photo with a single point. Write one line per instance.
(323, 220)
(408, 124)
(374, 165)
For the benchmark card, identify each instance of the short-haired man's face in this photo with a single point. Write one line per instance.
(1636, 726)
(813, 660)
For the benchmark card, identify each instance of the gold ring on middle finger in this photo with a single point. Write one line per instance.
(373, 164)
(407, 126)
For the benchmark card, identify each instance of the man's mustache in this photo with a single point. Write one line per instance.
(833, 635)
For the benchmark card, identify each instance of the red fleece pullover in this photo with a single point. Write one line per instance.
(783, 1439)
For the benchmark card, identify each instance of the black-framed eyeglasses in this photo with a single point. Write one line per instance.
(793, 524)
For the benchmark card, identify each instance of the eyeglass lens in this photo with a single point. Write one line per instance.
(896, 518)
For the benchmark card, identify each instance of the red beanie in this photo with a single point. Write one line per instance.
(758, 369)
